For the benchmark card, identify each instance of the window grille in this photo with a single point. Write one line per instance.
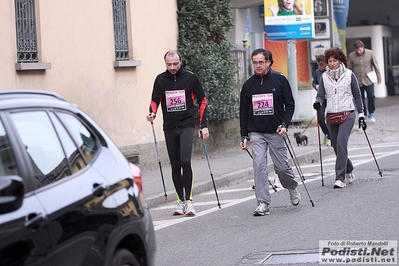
(26, 31)
(120, 30)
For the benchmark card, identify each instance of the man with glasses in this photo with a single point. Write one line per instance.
(266, 109)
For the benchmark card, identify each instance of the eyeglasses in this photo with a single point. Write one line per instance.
(258, 63)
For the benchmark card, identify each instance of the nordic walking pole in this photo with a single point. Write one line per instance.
(209, 166)
(159, 160)
(294, 159)
(321, 159)
(297, 168)
(379, 171)
(270, 183)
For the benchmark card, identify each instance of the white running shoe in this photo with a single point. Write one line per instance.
(262, 209)
(372, 118)
(339, 184)
(294, 196)
(350, 177)
(179, 208)
(276, 182)
(190, 210)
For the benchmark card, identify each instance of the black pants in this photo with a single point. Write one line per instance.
(179, 143)
(370, 98)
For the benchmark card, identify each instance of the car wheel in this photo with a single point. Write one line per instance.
(124, 257)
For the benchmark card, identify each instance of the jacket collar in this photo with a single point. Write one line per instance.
(178, 73)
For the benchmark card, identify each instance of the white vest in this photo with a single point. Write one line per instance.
(339, 93)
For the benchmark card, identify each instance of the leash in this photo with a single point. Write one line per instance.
(308, 124)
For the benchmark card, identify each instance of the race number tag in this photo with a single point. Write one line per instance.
(175, 100)
(263, 104)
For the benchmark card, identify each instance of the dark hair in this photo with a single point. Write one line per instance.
(171, 52)
(336, 53)
(358, 44)
(266, 53)
(320, 58)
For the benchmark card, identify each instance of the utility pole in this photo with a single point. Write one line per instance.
(293, 77)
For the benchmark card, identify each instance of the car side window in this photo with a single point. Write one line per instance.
(85, 140)
(73, 154)
(8, 164)
(43, 146)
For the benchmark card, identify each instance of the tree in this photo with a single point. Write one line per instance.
(203, 25)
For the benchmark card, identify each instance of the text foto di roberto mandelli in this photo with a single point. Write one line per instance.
(355, 251)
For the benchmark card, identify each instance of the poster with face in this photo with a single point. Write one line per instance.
(289, 19)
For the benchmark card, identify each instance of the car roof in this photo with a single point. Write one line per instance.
(15, 99)
(12, 94)
(19, 99)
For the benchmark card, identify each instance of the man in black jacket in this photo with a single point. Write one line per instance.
(176, 89)
(266, 109)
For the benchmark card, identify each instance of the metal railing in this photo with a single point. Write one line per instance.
(120, 30)
(242, 68)
(25, 19)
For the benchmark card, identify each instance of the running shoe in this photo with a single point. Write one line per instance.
(276, 182)
(327, 142)
(350, 177)
(295, 196)
(190, 210)
(339, 184)
(262, 209)
(372, 118)
(179, 209)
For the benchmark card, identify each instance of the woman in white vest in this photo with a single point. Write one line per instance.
(340, 87)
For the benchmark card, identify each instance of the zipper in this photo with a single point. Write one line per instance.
(176, 120)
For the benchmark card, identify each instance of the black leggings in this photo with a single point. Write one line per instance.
(179, 143)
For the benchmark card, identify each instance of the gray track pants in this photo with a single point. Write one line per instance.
(260, 143)
(339, 135)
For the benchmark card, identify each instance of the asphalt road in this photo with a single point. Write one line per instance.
(366, 210)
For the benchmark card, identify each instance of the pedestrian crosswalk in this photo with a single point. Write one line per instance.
(232, 195)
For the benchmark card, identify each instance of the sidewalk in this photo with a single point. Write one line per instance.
(234, 165)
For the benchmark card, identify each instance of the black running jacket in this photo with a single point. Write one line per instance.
(177, 93)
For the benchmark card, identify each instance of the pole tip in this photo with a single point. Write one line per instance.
(220, 206)
(166, 197)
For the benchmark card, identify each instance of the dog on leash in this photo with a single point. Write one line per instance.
(301, 139)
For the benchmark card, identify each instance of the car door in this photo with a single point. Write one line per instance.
(80, 210)
(24, 237)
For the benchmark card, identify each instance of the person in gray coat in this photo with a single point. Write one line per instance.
(362, 62)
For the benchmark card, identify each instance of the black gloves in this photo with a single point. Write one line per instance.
(316, 105)
(362, 123)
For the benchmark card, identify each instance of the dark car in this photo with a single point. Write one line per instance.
(68, 196)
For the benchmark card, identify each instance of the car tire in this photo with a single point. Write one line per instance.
(124, 257)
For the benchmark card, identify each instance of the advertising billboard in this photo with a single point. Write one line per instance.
(289, 19)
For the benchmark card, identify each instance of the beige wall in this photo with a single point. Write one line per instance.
(76, 37)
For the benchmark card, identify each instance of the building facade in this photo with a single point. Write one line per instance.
(102, 55)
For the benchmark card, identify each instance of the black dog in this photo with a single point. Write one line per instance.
(301, 139)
